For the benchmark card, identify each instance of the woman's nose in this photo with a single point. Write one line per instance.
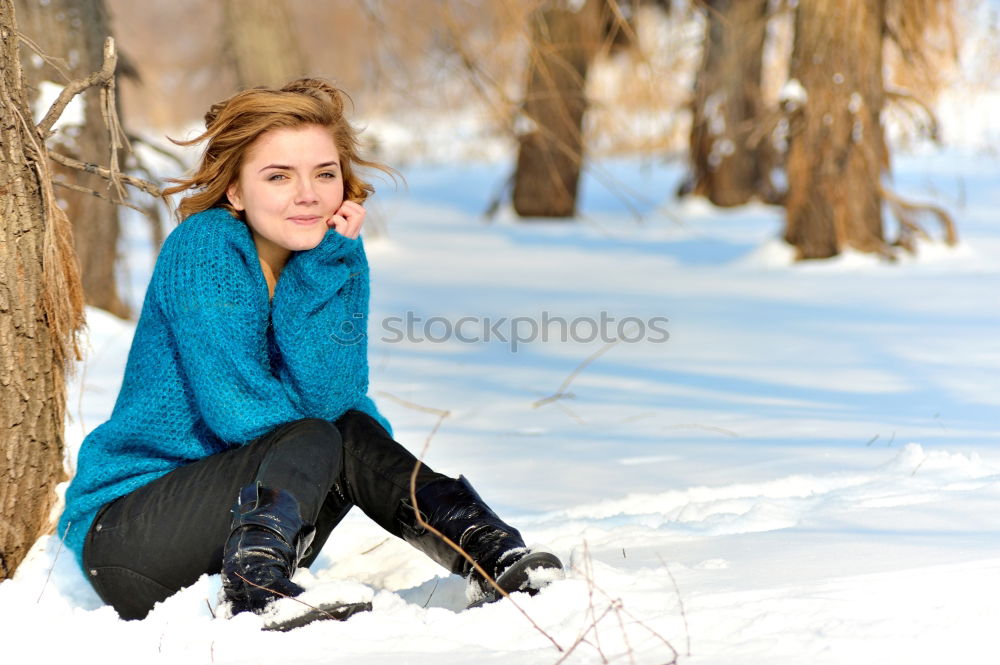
(306, 193)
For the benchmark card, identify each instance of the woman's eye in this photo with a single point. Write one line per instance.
(327, 174)
(276, 176)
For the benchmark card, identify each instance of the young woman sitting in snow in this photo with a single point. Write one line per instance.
(243, 432)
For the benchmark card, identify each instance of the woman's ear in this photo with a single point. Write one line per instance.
(233, 194)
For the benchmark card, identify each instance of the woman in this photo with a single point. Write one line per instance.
(243, 432)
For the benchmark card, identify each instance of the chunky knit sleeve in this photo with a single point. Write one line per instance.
(214, 298)
(320, 317)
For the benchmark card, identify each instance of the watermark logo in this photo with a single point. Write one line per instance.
(513, 331)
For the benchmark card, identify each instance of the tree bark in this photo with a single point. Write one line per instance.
(262, 44)
(75, 30)
(727, 106)
(550, 153)
(837, 150)
(37, 324)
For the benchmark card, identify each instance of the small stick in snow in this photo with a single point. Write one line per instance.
(680, 604)
(285, 595)
(442, 414)
(433, 589)
(561, 391)
(54, 560)
(707, 428)
(374, 547)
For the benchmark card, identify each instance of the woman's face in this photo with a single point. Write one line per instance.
(289, 186)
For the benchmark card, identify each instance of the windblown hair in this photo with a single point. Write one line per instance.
(234, 124)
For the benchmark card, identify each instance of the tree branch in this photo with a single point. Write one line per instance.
(902, 207)
(87, 167)
(57, 64)
(75, 87)
(94, 192)
(442, 414)
(932, 125)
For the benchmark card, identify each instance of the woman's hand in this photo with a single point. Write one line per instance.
(348, 219)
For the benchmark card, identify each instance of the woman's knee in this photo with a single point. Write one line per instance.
(359, 428)
(315, 434)
(308, 427)
(309, 450)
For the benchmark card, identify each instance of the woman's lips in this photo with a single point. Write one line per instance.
(305, 220)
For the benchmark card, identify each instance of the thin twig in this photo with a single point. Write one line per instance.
(680, 604)
(589, 574)
(901, 205)
(900, 96)
(135, 138)
(708, 428)
(87, 167)
(94, 192)
(374, 547)
(621, 627)
(73, 88)
(582, 639)
(58, 64)
(54, 560)
(442, 414)
(285, 595)
(570, 412)
(431, 595)
(632, 617)
(561, 391)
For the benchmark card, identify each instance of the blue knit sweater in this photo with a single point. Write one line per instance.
(215, 363)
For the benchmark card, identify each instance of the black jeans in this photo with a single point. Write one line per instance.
(145, 546)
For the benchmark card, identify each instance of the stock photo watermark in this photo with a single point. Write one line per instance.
(514, 331)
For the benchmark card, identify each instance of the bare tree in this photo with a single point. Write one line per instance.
(730, 161)
(41, 310)
(77, 29)
(550, 151)
(41, 297)
(262, 43)
(837, 152)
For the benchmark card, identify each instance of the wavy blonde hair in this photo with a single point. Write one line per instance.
(234, 124)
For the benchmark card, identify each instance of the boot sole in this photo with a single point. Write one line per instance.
(324, 612)
(517, 577)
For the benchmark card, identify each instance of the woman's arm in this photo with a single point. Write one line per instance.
(211, 290)
(320, 317)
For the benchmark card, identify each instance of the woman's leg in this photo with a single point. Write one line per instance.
(376, 471)
(376, 477)
(148, 544)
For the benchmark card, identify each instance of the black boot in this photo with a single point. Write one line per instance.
(455, 509)
(267, 541)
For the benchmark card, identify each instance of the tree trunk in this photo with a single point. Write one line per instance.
(550, 154)
(41, 308)
(728, 105)
(262, 44)
(836, 150)
(74, 30)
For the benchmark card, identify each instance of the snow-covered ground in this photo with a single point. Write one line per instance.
(797, 464)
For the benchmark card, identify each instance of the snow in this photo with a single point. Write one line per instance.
(806, 470)
(793, 94)
(48, 92)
